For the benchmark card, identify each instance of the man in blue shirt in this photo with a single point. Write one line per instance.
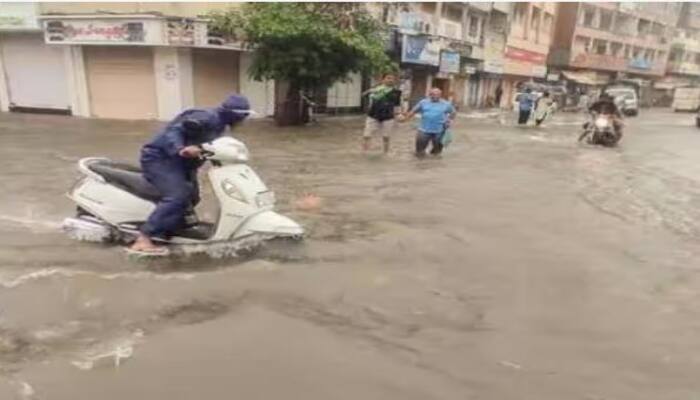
(436, 115)
(525, 104)
(170, 162)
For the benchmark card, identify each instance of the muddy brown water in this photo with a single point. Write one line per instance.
(520, 265)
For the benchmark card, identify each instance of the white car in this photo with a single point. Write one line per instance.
(625, 98)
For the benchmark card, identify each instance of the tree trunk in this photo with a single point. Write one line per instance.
(290, 111)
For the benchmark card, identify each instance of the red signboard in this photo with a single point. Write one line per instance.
(525, 55)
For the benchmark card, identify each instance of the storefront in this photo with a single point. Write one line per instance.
(127, 66)
(33, 74)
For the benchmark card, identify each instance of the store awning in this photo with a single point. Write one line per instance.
(670, 82)
(586, 77)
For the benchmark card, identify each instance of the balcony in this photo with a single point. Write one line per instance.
(685, 43)
(450, 29)
(414, 22)
(609, 62)
(683, 68)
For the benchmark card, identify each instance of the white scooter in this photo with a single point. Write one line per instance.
(113, 200)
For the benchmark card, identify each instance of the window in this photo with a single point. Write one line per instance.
(643, 27)
(473, 26)
(676, 55)
(600, 46)
(616, 49)
(535, 18)
(520, 12)
(628, 50)
(548, 22)
(452, 12)
(606, 18)
(582, 44)
(428, 7)
(649, 55)
(636, 52)
(661, 55)
(520, 23)
(588, 15)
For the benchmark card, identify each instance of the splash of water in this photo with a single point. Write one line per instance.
(45, 273)
(31, 221)
(109, 354)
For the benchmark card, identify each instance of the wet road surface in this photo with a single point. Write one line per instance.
(520, 265)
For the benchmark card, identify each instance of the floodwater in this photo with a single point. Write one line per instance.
(520, 265)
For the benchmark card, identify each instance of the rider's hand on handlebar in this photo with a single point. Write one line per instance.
(191, 152)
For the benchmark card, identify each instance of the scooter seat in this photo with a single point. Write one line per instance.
(127, 177)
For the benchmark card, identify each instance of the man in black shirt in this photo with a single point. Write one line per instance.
(385, 101)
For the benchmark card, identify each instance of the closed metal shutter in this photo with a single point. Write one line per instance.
(35, 72)
(121, 82)
(215, 76)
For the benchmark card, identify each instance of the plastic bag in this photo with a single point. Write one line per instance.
(446, 138)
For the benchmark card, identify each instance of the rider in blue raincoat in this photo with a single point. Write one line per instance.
(170, 162)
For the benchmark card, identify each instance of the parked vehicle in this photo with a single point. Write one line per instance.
(686, 99)
(625, 98)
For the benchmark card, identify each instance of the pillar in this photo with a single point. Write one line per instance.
(77, 81)
(4, 91)
(173, 72)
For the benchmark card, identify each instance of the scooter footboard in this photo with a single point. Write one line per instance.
(270, 223)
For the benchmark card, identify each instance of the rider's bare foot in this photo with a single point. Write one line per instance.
(144, 244)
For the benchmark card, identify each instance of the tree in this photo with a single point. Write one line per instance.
(306, 45)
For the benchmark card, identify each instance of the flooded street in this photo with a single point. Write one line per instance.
(520, 265)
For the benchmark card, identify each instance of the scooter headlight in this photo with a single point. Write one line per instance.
(232, 191)
(601, 123)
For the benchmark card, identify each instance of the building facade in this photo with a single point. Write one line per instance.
(596, 43)
(124, 61)
(684, 59)
(438, 45)
(530, 32)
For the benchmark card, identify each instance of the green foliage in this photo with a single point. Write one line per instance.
(309, 45)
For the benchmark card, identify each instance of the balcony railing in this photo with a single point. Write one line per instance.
(450, 29)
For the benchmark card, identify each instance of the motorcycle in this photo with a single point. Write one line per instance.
(600, 131)
(114, 199)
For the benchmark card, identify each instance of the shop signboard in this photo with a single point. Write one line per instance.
(525, 55)
(539, 71)
(640, 63)
(493, 66)
(449, 62)
(103, 31)
(469, 69)
(420, 50)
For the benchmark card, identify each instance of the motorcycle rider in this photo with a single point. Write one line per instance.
(605, 105)
(170, 162)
